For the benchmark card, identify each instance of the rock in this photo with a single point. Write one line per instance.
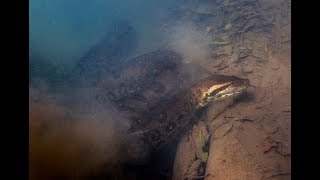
(208, 29)
(190, 157)
(275, 66)
(185, 157)
(247, 69)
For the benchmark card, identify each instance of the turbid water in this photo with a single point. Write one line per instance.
(74, 134)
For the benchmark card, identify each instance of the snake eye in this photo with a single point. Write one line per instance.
(206, 95)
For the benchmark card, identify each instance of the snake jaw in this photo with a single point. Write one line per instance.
(224, 87)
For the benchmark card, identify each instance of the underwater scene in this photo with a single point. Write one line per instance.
(159, 89)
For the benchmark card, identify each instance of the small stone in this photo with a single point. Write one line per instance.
(208, 29)
(247, 69)
(275, 66)
(268, 144)
(283, 34)
(286, 109)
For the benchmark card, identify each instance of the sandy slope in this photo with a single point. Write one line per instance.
(246, 152)
(259, 144)
(252, 138)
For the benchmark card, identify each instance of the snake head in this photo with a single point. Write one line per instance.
(217, 87)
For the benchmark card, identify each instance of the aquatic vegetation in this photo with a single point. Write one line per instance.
(228, 27)
(201, 136)
(224, 38)
(208, 29)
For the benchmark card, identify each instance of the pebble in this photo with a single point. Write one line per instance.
(247, 69)
(275, 67)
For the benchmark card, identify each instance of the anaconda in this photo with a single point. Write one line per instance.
(165, 121)
(143, 79)
(153, 89)
(160, 98)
